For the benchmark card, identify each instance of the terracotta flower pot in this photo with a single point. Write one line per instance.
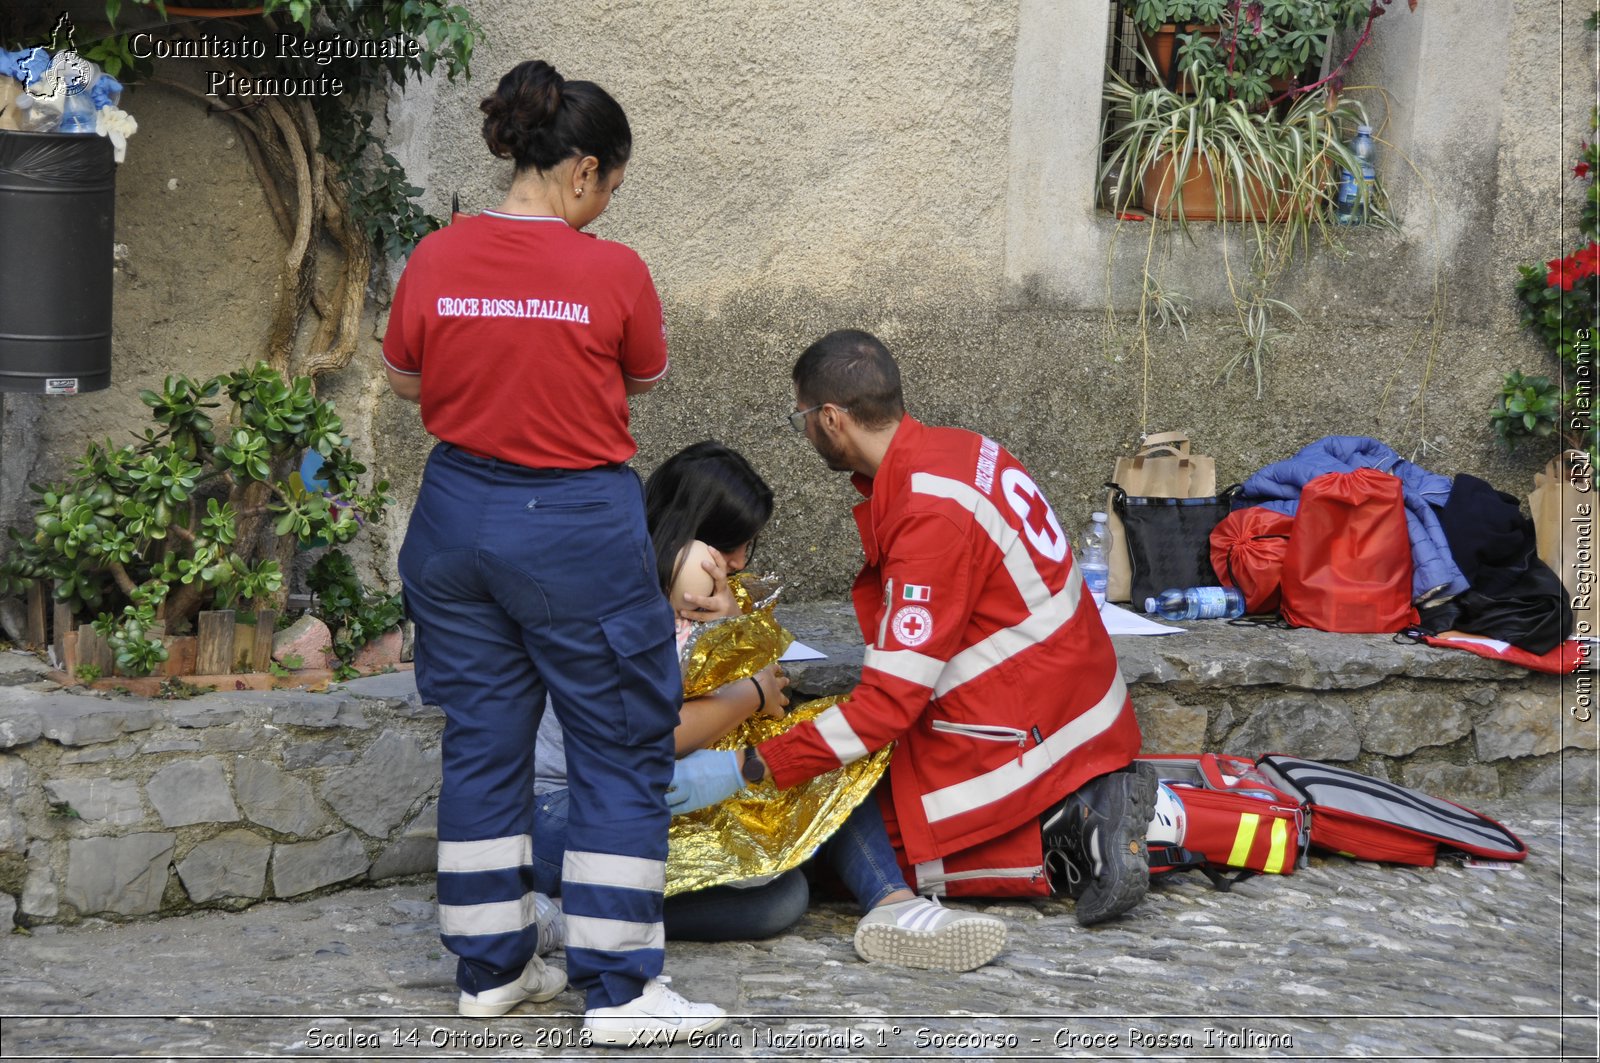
(1162, 195)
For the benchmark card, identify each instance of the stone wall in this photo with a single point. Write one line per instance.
(1442, 721)
(119, 806)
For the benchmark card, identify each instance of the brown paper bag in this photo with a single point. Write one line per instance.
(1563, 503)
(10, 89)
(1163, 468)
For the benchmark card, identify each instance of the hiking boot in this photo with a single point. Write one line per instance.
(552, 923)
(922, 933)
(657, 1016)
(538, 984)
(1094, 843)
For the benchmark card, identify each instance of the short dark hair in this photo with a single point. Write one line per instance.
(705, 491)
(537, 118)
(852, 369)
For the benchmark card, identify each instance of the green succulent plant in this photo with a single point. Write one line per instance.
(201, 512)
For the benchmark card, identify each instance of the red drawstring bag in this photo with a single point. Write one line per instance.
(1348, 564)
(1247, 550)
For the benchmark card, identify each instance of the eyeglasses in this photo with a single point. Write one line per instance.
(797, 419)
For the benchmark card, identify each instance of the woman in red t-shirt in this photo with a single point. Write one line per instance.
(522, 337)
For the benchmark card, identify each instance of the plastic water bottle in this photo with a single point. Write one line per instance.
(1094, 560)
(1197, 603)
(35, 115)
(78, 114)
(1348, 206)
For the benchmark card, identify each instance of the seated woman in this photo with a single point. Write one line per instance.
(707, 495)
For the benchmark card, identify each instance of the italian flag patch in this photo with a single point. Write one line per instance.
(913, 592)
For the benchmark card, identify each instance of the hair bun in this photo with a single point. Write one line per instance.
(527, 98)
(538, 118)
(537, 92)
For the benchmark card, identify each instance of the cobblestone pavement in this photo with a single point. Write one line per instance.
(1341, 960)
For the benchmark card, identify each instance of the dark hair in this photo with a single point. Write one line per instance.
(536, 118)
(853, 369)
(705, 491)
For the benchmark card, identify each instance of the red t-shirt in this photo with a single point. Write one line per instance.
(522, 330)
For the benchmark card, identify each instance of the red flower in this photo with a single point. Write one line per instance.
(1581, 170)
(1563, 273)
(1587, 261)
(1556, 275)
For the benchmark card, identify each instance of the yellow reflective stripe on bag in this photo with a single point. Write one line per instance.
(1242, 841)
(1280, 845)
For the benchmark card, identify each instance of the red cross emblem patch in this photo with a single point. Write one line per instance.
(1039, 523)
(913, 625)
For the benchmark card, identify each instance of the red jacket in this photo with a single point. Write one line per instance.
(986, 661)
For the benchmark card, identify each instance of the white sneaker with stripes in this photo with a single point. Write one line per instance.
(923, 933)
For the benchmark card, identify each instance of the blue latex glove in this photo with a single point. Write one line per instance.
(703, 778)
(27, 66)
(106, 92)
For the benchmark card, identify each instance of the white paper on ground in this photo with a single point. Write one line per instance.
(1120, 621)
(799, 651)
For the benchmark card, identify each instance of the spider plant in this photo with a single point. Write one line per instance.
(1283, 165)
(1271, 175)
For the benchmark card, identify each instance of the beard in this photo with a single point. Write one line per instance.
(831, 453)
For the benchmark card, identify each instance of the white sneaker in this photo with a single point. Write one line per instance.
(657, 1016)
(552, 923)
(922, 933)
(538, 984)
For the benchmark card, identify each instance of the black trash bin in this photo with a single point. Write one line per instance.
(57, 200)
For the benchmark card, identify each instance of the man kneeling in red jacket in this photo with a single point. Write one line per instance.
(986, 661)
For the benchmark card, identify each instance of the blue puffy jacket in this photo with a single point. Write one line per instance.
(1434, 572)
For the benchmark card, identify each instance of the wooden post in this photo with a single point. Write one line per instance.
(181, 650)
(244, 646)
(214, 653)
(266, 627)
(38, 617)
(61, 623)
(94, 650)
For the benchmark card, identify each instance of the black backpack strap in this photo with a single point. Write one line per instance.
(1172, 859)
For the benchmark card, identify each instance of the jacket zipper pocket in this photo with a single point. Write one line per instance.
(541, 504)
(987, 732)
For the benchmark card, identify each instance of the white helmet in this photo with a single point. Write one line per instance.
(1168, 825)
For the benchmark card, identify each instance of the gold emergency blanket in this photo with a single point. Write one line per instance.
(763, 831)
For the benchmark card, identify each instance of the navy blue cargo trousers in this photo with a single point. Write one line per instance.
(522, 581)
